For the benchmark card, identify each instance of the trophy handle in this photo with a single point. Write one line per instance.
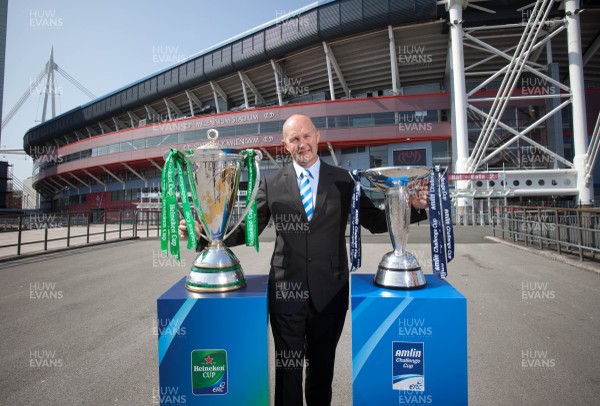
(257, 159)
(370, 189)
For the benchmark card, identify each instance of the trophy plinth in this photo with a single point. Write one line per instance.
(216, 175)
(398, 269)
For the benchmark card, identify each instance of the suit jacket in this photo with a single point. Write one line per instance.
(310, 260)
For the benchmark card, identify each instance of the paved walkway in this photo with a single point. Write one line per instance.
(79, 327)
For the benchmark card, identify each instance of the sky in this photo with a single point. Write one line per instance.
(108, 44)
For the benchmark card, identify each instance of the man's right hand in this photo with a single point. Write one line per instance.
(183, 233)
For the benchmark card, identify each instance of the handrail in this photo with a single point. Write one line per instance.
(574, 231)
(61, 230)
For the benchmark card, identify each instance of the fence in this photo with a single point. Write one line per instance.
(28, 233)
(574, 231)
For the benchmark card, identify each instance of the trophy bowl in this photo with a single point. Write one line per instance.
(398, 269)
(216, 174)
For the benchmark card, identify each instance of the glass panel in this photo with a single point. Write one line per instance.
(384, 118)
(170, 139)
(320, 122)
(246, 129)
(153, 141)
(126, 146)
(361, 120)
(337, 121)
(138, 144)
(226, 131)
(103, 150)
(271, 127)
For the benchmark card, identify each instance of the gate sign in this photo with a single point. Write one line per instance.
(472, 176)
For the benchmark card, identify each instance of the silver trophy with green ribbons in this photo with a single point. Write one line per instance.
(212, 174)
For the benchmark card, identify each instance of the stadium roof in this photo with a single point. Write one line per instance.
(355, 32)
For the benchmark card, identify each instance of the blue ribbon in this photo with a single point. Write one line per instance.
(355, 245)
(399, 181)
(447, 215)
(440, 222)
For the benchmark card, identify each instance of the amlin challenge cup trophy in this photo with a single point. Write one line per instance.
(399, 269)
(213, 176)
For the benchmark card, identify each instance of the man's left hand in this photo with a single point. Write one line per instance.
(419, 198)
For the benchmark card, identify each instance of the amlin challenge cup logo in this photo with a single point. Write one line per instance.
(209, 372)
(408, 366)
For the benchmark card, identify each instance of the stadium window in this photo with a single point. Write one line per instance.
(189, 136)
(153, 141)
(126, 146)
(139, 144)
(227, 131)
(103, 150)
(384, 118)
(169, 139)
(362, 120)
(337, 121)
(271, 127)
(113, 148)
(320, 122)
(246, 129)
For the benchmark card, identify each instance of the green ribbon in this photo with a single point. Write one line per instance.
(173, 170)
(251, 220)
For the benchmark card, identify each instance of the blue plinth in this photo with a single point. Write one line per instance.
(408, 346)
(213, 347)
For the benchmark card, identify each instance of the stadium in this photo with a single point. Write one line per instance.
(504, 93)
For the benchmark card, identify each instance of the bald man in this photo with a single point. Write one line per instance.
(309, 202)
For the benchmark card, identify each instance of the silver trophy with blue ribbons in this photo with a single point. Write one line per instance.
(399, 269)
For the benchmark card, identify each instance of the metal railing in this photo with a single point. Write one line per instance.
(573, 231)
(37, 232)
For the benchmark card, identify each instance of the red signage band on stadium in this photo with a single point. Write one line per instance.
(472, 176)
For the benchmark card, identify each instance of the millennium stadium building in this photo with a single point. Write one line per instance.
(504, 93)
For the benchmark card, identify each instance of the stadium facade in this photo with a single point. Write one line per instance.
(387, 82)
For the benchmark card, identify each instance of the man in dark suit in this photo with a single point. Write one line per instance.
(309, 202)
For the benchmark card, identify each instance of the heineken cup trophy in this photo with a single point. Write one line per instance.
(398, 269)
(213, 174)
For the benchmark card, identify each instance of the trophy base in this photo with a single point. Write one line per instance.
(216, 269)
(397, 271)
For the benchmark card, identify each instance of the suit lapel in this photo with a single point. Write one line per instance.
(291, 185)
(325, 182)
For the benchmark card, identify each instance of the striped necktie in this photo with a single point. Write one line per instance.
(306, 193)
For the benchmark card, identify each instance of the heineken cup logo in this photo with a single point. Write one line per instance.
(209, 372)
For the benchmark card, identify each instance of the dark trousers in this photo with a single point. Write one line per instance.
(305, 338)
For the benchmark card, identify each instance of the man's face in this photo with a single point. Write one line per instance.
(301, 140)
